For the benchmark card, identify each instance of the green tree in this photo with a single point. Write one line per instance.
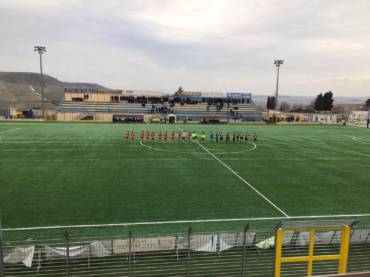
(271, 102)
(328, 101)
(179, 91)
(318, 105)
(367, 103)
(324, 102)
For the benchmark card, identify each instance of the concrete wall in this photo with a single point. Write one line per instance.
(67, 116)
(96, 97)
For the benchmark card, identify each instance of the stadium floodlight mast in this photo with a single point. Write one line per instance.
(41, 50)
(277, 63)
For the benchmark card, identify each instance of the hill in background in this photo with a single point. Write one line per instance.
(22, 90)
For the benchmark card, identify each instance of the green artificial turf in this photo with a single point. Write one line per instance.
(86, 173)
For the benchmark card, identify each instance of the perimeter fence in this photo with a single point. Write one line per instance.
(244, 252)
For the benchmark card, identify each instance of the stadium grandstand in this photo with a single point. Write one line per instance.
(135, 106)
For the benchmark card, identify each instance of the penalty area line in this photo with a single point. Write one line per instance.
(243, 180)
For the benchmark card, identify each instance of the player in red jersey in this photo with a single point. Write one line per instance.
(166, 136)
(127, 135)
(132, 135)
(160, 136)
(142, 135)
(153, 135)
(189, 135)
(147, 135)
(179, 135)
(173, 136)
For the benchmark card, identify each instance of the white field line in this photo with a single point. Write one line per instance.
(11, 130)
(357, 139)
(310, 217)
(243, 180)
(66, 138)
(196, 153)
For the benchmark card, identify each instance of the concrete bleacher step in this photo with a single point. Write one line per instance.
(125, 107)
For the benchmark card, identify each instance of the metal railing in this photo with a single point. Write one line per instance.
(241, 253)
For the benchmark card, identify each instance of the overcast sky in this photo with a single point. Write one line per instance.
(204, 45)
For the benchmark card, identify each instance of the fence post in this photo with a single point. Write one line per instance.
(129, 253)
(278, 226)
(244, 249)
(2, 274)
(188, 255)
(66, 237)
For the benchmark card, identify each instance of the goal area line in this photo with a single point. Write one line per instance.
(312, 217)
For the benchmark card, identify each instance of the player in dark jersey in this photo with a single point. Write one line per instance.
(211, 136)
(255, 137)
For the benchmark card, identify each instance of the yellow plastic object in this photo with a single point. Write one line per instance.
(342, 257)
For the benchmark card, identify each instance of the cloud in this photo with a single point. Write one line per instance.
(201, 45)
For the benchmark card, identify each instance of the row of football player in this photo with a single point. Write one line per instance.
(192, 135)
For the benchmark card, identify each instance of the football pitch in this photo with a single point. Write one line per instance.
(56, 174)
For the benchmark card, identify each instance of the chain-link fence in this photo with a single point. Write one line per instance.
(241, 253)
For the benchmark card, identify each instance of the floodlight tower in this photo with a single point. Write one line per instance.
(41, 50)
(277, 63)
